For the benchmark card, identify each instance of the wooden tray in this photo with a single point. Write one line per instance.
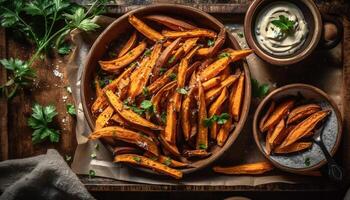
(15, 136)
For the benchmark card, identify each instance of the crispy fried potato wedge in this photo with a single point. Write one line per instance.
(101, 102)
(141, 81)
(156, 99)
(302, 112)
(211, 94)
(126, 150)
(148, 163)
(121, 62)
(171, 148)
(266, 115)
(214, 69)
(205, 64)
(224, 132)
(145, 29)
(213, 82)
(189, 33)
(129, 115)
(239, 54)
(128, 136)
(166, 161)
(164, 57)
(183, 50)
(267, 144)
(163, 80)
(103, 117)
(277, 131)
(237, 98)
(295, 147)
(185, 112)
(214, 110)
(128, 45)
(172, 23)
(170, 126)
(281, 110)
(211, 51)
(305, 127)
(198, 153)
(251, 168)
(202, 136)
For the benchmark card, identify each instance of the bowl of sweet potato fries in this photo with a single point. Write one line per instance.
(287, 119)
(166, 88)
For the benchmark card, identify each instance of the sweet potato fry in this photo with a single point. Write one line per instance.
(156, 99)
(166, 161)
(205, 64)
(305, 127)
(267, 115)
(126, 150)
(239, 54)
(163, 58)
(103, 117)
(211, 94)
(172, 23)
(129, 115)
(295, 147)
(251, 168)
(128, 136)
(148, 163)
(210, 51)
(163, 80)
(121, 62)
(98, 88)
(189, 33)
(302, 112)
(277, 131)
(215, 68)
(214, 110)
(237, 97)
(128, 45)
(141, 81)
(185, 112)
(199, 153)
(145, 29)
(170, 126)
(213, 82)
(280, 111)
(224, 132)
(202, 136)
(267, 144)
(183, 50)
(101, 101)
(171, 148)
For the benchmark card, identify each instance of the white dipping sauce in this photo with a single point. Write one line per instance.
(271, 38)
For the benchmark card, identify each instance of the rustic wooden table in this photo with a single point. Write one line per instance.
(15, 135)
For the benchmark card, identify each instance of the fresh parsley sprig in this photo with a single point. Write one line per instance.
(220, 119)
(259, 90)
(40, 121)
(284, 24)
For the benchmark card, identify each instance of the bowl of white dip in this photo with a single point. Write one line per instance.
(283, 32)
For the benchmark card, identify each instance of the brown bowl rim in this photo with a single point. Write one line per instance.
(293, 86)
(247, 97)
(249, 34)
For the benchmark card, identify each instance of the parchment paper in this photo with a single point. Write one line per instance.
(327, 76)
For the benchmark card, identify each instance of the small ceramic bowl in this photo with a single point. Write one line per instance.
(314, 38)
(295, 162)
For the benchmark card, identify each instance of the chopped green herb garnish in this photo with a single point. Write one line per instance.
(71, 109)
(220, 119)
(240, 34)
(130, 53)
(172, 76)
(162, 71)
(93, 155)
(145, 91)
(259, 91)
(147, 52)
(203, 146)
(92, 173)
(146, 104)
(167, 162)
(307, 161)
(97, 146)
(172, 59)
(64, 49)
(284, 24)
(154, 158)
(181, 90)
(223, 55)
(68, 158)
(40, 120)
(137, 159)
(210, 43)
(163, 117)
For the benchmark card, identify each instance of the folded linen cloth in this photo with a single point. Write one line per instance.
(41, 177)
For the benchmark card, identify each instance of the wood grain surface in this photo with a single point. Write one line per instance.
(15, 135)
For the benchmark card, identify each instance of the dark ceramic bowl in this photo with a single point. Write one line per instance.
(315, 24)
(331, 136)
(120, 27)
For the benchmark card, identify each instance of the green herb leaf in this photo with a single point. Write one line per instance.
(162, 70)
(307, 161)
(92, 173)
(259, 91)
(147, 52)
(220, 119)
(223, 55)
(163, 117)
(167, 162)
(71, 109)
(203, 146)
(181, 90)
(172, 59)
(93, 155)
(97, 146)
(39, 121)
(240, 34)
(137, 159)
(172, 76)
(146, 104)
(284, 24)
(210, 43)
(145, 92)
(68, 158)
(64, 49)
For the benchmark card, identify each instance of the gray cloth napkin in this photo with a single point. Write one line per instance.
(41, 177)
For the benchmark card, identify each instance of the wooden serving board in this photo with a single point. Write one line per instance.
(15, 135)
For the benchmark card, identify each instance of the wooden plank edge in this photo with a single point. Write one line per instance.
(3, 101)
